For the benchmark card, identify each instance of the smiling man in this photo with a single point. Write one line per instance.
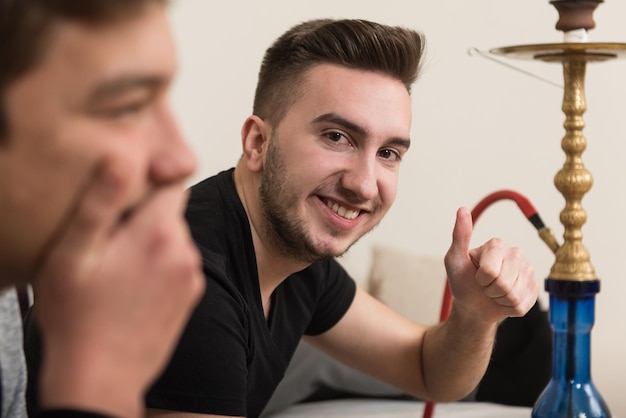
(321, 157)
(92, 172)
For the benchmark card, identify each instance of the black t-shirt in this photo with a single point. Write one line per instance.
(230, 358)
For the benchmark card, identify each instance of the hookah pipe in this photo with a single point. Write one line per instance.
(531, 214)
(572, 282)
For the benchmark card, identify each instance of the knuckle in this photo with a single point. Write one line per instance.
(507, 289)
(521, 309)
(489, 272)
(529, 271)
(517, 254)
(522, 303)
(162, 236)
(159, 241)
(495, 243)
(517, 300)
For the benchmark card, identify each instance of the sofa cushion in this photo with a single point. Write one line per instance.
(411, 284)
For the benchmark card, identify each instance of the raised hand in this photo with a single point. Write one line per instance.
(491, 282)
(113, 295)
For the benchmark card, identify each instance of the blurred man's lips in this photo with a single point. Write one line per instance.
(125, 216)
(131, 209)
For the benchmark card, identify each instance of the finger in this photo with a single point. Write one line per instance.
(520, 290)
(462, 234)
(158, 220)
(491, 256)
(166, 203)
(503, 286)
(96, 209)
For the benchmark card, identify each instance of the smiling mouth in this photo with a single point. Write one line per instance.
(344, 212)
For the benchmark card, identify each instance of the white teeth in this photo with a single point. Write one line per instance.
(341, 211)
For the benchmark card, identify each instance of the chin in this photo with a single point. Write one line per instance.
(334, 251)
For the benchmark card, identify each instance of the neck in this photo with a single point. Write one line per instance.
(272, 266)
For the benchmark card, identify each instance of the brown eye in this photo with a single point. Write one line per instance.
(334, 136)
(389, 154)
(122, 111)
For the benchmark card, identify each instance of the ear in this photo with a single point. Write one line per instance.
(254, 137)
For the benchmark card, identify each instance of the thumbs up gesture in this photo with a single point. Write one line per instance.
(491, 282)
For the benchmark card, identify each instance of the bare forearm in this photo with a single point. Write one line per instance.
(489, 284)
(455, 356)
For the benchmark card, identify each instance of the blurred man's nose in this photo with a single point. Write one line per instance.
(173, 158)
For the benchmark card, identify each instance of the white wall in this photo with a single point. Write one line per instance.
(478, 127)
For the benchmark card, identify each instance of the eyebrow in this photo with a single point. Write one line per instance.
(336, 119)
(114, 87)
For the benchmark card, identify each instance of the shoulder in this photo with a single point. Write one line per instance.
(215, 214)
(323, 273)
(221, 292)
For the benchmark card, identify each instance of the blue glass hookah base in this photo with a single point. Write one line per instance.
(571, 392)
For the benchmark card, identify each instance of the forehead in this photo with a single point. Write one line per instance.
(375, 101)
(80, 55)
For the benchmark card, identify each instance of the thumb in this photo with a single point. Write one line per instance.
(461, 237)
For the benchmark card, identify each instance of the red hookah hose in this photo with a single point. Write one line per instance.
(531, 214)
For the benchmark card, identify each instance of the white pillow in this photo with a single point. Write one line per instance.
(412, 284)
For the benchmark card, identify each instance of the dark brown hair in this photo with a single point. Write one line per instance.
(26, 24)
(358, 44)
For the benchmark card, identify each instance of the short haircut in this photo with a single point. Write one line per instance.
(359, 44)
(25, 26)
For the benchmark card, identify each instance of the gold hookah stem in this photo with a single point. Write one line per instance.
(572, 261)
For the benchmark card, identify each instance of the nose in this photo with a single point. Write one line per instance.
(361, 179)
(173, 158)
